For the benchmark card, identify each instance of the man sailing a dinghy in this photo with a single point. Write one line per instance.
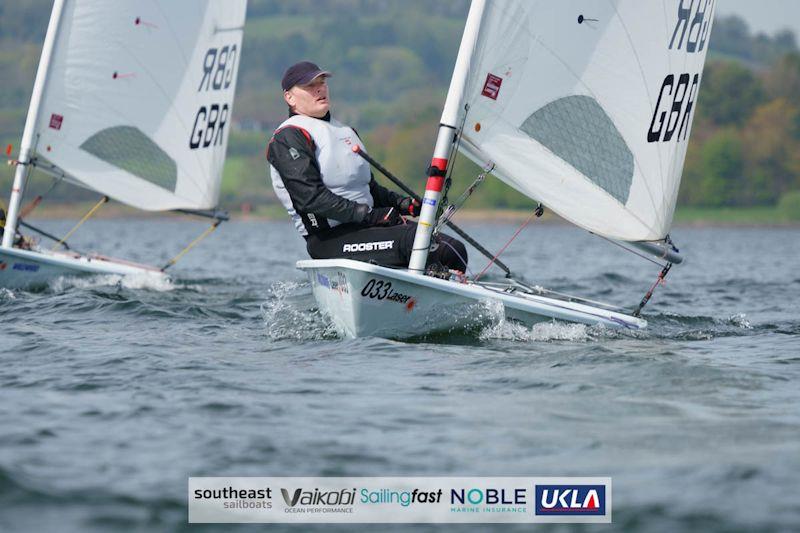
(329, 190)
(19, 240)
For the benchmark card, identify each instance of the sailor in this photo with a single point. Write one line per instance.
(19, 240)
(329, 190)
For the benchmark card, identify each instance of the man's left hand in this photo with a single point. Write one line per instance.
(410, 207)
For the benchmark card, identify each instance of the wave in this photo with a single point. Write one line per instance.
(287, 316)
(541, 332)
(62, 284)
(6, 294)
(663, 326)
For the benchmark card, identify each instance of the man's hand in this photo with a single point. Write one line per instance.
(383, 216)
(409, 206)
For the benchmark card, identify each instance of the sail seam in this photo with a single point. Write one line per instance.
(649, 99)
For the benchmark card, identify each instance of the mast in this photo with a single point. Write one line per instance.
(444, 141)
(26, 146)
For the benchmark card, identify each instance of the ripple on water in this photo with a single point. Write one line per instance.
(135, 281)
(541, 332)
(287, 314)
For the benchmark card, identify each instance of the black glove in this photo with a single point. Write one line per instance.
(383, 216)
(409, 206)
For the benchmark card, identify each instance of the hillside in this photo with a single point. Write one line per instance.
(392, 61)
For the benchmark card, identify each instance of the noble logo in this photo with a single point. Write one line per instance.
(570, 500)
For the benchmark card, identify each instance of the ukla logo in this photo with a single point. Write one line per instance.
(570, 500)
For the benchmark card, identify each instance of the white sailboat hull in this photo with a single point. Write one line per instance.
(35, 268)
(364, 300)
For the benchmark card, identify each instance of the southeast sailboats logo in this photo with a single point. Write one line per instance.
(570, 500)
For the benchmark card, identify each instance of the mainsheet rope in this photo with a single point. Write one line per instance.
(86, 217)
(536, 212)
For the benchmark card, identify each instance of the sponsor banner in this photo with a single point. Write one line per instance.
(400, 500)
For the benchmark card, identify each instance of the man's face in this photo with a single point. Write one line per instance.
(311, 100)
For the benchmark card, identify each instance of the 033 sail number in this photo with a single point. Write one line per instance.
(382, 290)
(219, 71)
(676, 98)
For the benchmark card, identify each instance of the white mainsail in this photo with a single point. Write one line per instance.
(587, 105)
(138, 102)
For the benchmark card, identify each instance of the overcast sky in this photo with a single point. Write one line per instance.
(764, 15)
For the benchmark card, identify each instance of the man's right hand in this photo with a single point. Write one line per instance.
(383, 216)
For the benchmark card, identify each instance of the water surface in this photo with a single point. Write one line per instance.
(114, 391)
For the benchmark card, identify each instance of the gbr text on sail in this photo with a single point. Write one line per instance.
(678, 92)
(218, 75)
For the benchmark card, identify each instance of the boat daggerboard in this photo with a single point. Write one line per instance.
(587, 106)
(139, 98)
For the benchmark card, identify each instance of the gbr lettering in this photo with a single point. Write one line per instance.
(672, 115)
(692, 25)
(674, 108)
(219, 69)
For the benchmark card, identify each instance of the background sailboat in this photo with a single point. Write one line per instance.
(583, 106)
(132, 100)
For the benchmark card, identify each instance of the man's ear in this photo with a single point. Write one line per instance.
(289, 97)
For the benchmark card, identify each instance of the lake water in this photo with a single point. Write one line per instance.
(113, 392)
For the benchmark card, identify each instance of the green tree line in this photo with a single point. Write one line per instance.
(392, 62)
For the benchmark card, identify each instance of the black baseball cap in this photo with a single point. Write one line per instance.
(301, 73)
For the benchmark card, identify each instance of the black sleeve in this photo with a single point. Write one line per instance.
(292, 155)
(381, 196)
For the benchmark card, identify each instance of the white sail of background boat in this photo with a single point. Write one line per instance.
(134, 100)
(584, 106)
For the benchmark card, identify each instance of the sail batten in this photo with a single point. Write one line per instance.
(139, 101)
(587, 106)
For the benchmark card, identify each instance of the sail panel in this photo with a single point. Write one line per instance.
(576, 129)
(129, 149)
(139, 100)
(587, 106)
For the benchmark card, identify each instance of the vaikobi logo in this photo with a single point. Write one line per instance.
(570, 500)
(319, 501)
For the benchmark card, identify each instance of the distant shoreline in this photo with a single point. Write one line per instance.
(684, 217)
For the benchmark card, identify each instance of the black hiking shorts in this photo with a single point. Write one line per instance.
(385, 245)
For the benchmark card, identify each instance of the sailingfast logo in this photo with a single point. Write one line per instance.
(570, 500)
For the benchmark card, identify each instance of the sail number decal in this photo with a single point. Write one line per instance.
(692, 25)
(219, 71)
(673, 108)
(382, 290)
(676, 98)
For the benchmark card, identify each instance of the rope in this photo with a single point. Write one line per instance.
(457, 255)
(192, 244)
(86, 217)
(659, 281)
(448, 181)
(28, 209)
(503, 249)
(451, 209)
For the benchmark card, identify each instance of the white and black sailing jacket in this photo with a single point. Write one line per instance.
(318, 177)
